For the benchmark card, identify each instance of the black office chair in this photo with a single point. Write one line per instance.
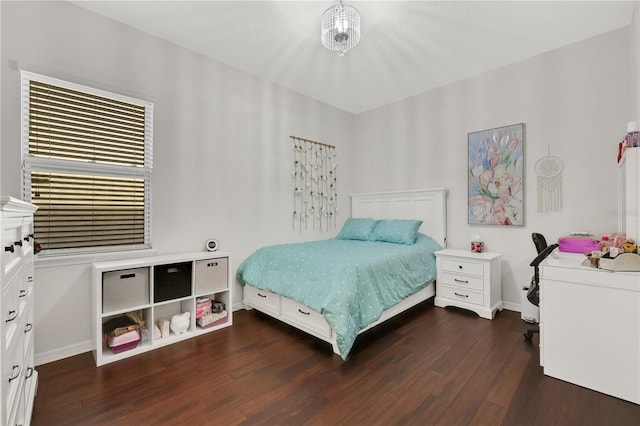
(533, 294)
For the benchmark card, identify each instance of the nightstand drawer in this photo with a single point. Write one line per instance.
(464, 281)
(462, 295)
(455, 265)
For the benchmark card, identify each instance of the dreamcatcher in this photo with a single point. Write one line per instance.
(314, 184)
(549, 171)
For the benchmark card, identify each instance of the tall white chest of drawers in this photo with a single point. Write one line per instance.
(19, 377)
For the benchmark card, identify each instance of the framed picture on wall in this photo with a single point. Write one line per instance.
(496, 176)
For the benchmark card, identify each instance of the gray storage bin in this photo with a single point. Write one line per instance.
(211, 275)
(125, 289)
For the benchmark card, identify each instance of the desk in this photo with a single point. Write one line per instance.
(590, 326)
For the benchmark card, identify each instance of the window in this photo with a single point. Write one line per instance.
(87, 157)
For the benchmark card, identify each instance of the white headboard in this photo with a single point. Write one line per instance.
(428, 205)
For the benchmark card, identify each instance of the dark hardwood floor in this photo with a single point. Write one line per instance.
(429, 366)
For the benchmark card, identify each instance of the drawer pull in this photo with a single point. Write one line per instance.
(28, 328)
(10, 248)
(461, 281)
(18, 243)
(12, 315)
(125, 276)
(16, 374)
(31, 235)
(26, 238)
(303, 312)
(22, 293)
(29, 279)
(212, 264)
(460, 295)
(264, 296)
(29, 373)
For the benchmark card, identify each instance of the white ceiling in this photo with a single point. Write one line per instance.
(407, 47)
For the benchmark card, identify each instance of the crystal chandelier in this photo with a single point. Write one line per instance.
(340, 28)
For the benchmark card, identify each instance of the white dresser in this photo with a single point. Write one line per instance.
(590, 326)
(19, 377)
(469, 280)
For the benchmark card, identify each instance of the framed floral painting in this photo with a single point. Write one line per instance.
(496, 176)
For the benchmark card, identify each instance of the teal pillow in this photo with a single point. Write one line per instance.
(400, 231)
(356, 229)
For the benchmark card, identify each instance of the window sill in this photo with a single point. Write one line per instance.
(88, 258)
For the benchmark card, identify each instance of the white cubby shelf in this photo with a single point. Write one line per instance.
(160, 287)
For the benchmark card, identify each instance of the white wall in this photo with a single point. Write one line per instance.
(575, 100)
(634, 34)
(222, 153)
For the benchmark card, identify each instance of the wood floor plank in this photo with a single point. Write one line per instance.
(430, 366)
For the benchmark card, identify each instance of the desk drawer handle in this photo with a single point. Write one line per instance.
(22, 293)
(18, 243)
(10, 248)
(28, 328)
(460, 267)
(127, 276)
(212, 264)
(460, 295)
(461, 281)
(264, 296)
(29, 373)
(303, 312)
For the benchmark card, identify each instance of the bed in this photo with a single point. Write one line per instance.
(337, 288)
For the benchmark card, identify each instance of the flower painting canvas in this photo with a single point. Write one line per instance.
(496, 187)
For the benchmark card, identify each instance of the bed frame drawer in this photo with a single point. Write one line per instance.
(305, 317)
(262, 299)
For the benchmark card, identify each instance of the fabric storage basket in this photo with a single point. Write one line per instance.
(125, 289)
(171, 281)
(211, 275)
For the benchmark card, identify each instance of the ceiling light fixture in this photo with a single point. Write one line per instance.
(340, 28)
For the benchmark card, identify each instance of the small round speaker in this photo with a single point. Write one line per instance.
(211, 244)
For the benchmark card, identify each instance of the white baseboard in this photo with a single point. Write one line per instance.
(61, 353)
(512, 306)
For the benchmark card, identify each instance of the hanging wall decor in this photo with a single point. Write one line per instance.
(496, 178)
(549, 171)
(315, 198)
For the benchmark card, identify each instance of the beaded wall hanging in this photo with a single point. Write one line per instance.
(315, 198)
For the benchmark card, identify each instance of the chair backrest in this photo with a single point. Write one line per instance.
(539, 241)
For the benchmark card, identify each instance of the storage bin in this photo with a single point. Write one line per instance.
(124, 342)
(125, 289)
(171, 281)
(211, 275)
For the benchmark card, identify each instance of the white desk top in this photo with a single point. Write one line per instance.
(569, 267)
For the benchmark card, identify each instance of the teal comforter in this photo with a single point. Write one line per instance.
(349, 282)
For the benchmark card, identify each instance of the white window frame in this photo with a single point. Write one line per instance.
(32, 163)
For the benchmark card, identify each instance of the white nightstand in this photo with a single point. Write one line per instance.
(469, 280)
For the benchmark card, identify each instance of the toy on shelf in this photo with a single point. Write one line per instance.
(180, 322)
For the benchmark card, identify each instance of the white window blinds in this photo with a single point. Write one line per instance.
(87, 166)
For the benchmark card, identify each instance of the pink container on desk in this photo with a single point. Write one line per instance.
(577, 244)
